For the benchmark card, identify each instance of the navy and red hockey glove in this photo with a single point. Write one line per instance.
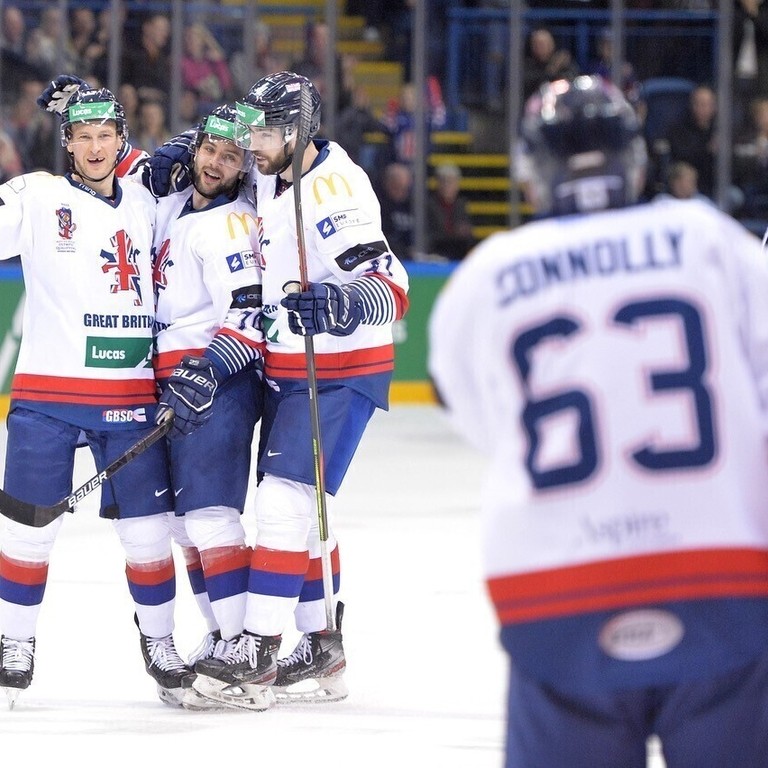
(189, 395)
(55, 97)
(324, 308)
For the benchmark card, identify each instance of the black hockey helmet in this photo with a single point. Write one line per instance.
(275, 100)
(581, 147)
(221, 124)
(92, 105)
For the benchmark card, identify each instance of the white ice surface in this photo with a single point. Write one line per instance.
(425, 672)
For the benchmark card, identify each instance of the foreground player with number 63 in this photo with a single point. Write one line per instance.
(612, 361)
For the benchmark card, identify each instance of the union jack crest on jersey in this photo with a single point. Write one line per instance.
(66, 225)
(123, 261)
(161, 260)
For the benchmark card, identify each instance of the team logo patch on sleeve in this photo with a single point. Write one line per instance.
(361, 253)
(336, 221)
(248, 297)
(241, 260)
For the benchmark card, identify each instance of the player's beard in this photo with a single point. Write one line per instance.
(273, 165)
(213, 192)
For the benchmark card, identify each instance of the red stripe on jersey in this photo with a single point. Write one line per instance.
(225, 559)
(279, 561)
(239, 336)
(23, 571)
(150, 574)
(612, 584)
(332, 365)
(165, 362)
(400, 296)
(60, 389)
(315, 570)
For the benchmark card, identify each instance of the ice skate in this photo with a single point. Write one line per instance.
(314, 672)
(165, 666)
(211, 647)
(17, 664)
(242, 673)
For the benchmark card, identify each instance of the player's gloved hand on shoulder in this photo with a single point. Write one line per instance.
(55, 98)
(168, 168)
(324, 308)
(189, 394)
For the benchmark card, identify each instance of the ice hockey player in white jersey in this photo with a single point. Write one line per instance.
(612, 361)
(208, 341)
(358, 288)
(85, 368)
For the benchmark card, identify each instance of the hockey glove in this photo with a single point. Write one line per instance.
(324, 308)
(55, 98)
(189, 394)
(167, 170)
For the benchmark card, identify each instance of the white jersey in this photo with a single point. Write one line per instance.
(615, 368)
(344, 241)
(85, 354)
(207, 277)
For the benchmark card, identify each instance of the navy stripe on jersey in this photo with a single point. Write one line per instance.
(378, 300)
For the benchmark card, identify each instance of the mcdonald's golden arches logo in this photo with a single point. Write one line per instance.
(245, 219)
(332, 184)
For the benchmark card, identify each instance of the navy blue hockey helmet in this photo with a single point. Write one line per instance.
(92, 105)
(581, 147)
(275, 100)
(221, 124)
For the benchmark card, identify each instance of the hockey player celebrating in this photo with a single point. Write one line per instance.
(612, 360)
(357, 289)
(208, 336)
(85, 243)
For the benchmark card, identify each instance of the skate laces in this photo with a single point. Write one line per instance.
(206, 649)
(163, 654)
(238, 650)
(18, 654)
(302, 653)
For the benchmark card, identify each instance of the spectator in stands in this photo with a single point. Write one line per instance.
(312, 65)
(694, 138)
(152, 130)
(204, 67)
(148, 65)
(31, 130)
(128, 96)
(682, 183)
(545, 62)
(373, 151)
(98, 51)
(750, 46)
(189, 108)
(750, 161)
(396, 198)
(44, 42)
(449, 226)
(82, 48)
(602, 66)
(16, 68)
(245, 73)
(400, 117)
(14, 30)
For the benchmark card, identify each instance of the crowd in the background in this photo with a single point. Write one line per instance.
(214, 69)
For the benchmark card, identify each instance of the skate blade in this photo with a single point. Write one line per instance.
(315, 691)
(12, 694)
(173, 697)
(255, 698)
(194, 701)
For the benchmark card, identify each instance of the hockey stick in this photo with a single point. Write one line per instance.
(302, 141)
(38, 516)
